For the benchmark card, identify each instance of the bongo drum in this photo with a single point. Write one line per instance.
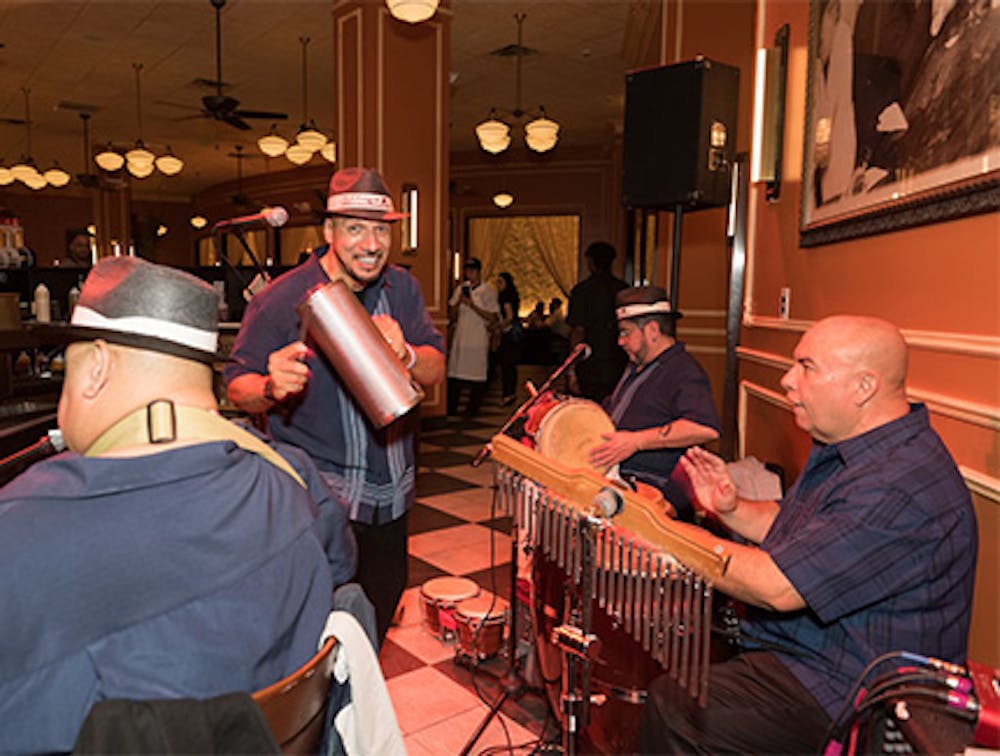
(480, 625)
(570, 429)
(439, 596)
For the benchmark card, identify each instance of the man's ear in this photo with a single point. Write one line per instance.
(328, 231)
(868, 385)
(97, 368)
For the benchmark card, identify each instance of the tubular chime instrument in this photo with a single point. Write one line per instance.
(653, 582)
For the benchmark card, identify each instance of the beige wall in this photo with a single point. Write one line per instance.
(940, 283)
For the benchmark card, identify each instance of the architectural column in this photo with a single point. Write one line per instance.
(391, 99)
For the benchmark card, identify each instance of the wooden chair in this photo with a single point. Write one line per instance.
(295, 706)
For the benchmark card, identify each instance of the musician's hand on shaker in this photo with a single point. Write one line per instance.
(713, 488)
(393, 334)
(288, 371)
(617, 446)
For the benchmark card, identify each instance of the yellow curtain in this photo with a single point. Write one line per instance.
(487, 238)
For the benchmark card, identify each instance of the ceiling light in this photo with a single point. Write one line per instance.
(198, 221)
(140, 170)
(109, 160)
(35, 181)
(298, 154)
(6, 177)
(92, 229)
(161, 230)
(140, 157)
(540, 133)
(57, 176)
(169, 164)
(503, 199)
(310, 137)
(272, 143)
(24, 169)
(412, 11)
(329, 151)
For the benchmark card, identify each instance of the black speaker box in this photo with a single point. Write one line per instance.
(680, 135)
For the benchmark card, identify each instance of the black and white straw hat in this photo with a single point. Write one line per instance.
(637, 301)
(129, 301)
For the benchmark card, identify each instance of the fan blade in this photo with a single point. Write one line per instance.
(182, 106)
(13, 121)
(268, 114)
(234, 121)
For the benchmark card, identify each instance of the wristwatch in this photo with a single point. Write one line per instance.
(269, 389)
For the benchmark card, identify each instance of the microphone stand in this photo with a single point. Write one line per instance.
(578, 353)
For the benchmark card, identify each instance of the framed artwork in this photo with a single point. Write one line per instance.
(902, 122)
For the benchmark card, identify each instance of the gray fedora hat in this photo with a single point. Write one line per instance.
(129, 301)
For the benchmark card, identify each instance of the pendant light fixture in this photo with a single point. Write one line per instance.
(272, 143)
(412, 11)
(309, 138)
(25, 169)
(541, 133)
(139, 160)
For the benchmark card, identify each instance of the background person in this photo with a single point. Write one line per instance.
(473, 309)
(78, 254)
(872, 550)
(663, 403)
(592, 319)
(271, 370)
(511, 337)
(169, 554)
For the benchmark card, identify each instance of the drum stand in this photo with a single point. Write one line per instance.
(511, 681)
(579, 645)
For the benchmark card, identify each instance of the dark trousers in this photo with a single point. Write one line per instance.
(477, 389)
(508, 355)
(755, 705)
(382, 567)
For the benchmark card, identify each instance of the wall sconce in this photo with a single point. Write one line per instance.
(503, 200)
(198, 221)
(769, 114)
(408, 225)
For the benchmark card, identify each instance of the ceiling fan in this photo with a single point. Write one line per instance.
(222, 107)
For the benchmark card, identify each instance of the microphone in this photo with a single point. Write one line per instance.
(19, 461)
(272, 216)
(580, 352)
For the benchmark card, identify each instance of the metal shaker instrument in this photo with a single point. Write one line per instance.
(370, 370)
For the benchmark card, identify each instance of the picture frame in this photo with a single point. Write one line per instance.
(898, 128)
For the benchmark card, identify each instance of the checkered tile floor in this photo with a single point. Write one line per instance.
(454, 530)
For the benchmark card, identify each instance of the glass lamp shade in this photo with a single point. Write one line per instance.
(493, 135)
(6, 177)
(329, 151)
(161, 230)
(109, 160)
(412, 11)
(503, 199)
(272, 144)
(541, 134)
(56, 176)
(35, 181)
(310, 137)
(298, 154)
(139, 157)
(169, 164)
(24, 170)
(198, 221)
(140, 170)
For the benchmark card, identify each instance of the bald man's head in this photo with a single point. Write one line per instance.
(849, 376)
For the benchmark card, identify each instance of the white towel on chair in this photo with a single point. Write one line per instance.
(367, 725)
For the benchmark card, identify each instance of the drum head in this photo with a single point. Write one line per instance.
(450, 590)
(568, 432)
(482, 607)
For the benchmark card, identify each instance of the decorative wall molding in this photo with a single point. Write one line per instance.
(706, 332)
(748, 389)
(767, 359)
(954, 342)
(720, 314)
(705, 349)
(981, 484)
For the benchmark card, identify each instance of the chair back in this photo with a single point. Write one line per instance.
(295, 707)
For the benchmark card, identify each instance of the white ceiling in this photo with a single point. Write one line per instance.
(75, 55)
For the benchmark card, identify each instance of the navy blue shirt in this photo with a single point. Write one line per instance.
(323, 420)
(189, 573)
(671, 387)
(879, 537)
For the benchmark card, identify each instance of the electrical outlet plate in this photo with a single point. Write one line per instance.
(784, 303)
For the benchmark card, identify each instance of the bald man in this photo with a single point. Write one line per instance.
(872, 550)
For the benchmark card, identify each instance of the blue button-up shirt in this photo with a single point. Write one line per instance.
(879, 537)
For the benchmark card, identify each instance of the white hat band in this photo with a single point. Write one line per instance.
(638, 310)
(189, 336)
(338, 203)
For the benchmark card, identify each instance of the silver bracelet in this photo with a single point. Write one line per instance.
(413, 356)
